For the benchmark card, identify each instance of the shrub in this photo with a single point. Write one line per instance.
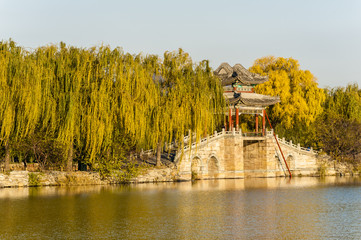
(322, 170)
(34, 180)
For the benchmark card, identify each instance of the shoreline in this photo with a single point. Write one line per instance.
(19, 179)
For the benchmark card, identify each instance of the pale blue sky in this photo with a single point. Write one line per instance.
(324, 35)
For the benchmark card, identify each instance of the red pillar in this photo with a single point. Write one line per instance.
(264, 123)
(237, 119)
(230, 119)
(256, 123)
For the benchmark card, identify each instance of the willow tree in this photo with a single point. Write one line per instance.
(60, 107)
(24, 85)
(190, 98)
(98, 104)
(301, 99)
(19, 96)
(10, 57)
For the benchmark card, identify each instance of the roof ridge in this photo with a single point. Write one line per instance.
(238, 73)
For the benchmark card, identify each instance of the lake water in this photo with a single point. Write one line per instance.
(301, 208)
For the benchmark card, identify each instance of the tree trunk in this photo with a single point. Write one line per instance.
(159, 152)
(69, 162)
(7, 157)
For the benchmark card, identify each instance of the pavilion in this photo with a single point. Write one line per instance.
(238, 85)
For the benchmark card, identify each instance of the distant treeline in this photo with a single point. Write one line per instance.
(60, 104)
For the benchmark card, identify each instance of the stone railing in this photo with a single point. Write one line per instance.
(148, 152)
(296, 146)
(217, 135)
(211, 137)
(187, 138)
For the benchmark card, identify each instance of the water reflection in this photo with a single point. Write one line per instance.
(206, 185)
(300, 208)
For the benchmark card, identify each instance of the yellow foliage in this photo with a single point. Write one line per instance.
(89, 99)
(301, 99)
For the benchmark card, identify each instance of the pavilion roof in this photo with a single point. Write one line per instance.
(252, 99)
(238, 73)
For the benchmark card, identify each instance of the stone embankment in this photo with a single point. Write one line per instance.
(327, 167)
(159, 175)
(78, 178)
(52, 178)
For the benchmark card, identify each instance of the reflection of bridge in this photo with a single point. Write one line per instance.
(233, 154)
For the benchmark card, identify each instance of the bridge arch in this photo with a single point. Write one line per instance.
(213, 166)
(196, 166)
(291, 159)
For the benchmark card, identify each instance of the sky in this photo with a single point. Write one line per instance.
(323, 35)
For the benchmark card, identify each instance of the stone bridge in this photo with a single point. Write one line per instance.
(233, 154)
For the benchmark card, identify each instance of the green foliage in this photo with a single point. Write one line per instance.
(130, 171)
(97, 105)
(344, 101)
(339, 127)
(34, 179)
(118, 171)
(322, 170)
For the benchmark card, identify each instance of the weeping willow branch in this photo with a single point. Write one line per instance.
(95, 100)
